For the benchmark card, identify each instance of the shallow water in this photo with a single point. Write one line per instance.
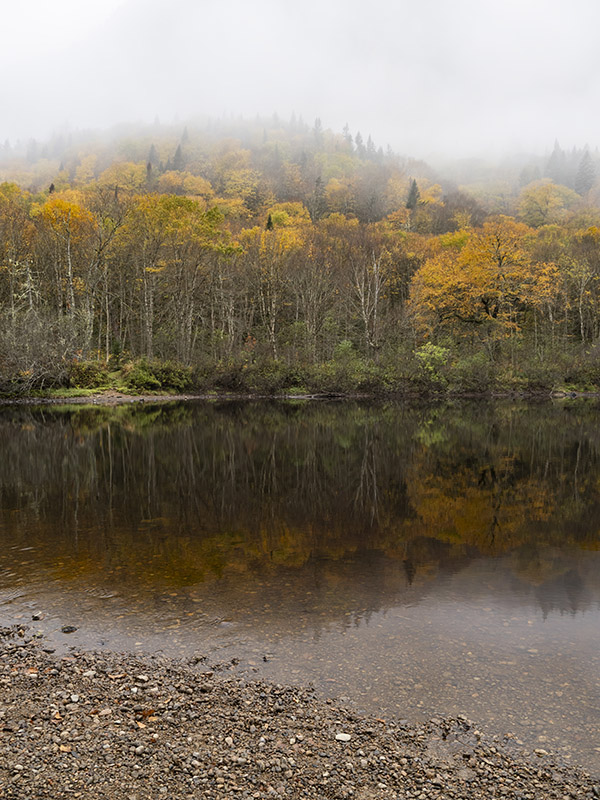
(415, 559)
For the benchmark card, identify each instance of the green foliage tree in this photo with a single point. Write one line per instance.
(413, 196)
(586, 174)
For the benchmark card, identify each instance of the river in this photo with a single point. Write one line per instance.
(417, 559)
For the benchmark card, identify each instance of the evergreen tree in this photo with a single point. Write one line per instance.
(370, 148)
(556, 168)
(318, 132)
(269, 225)
(413, 196)
(348, 136)
(318, 203)
(152, 156)
(586, 174)
(178, 159)
(252, 201)
(361, 151)
(529, 175)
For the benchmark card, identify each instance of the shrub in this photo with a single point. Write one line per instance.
(87, 374)
(172, 376)
(432, 359)
(139, 377)
(473, 373)
(273, 377)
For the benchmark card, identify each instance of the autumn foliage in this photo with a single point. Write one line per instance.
(293, 260)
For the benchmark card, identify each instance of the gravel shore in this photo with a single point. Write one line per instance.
(97, 725)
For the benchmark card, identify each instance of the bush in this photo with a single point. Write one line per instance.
(139, 377)
(273, 377)
(229, 377)
(87, 374)
(152, 376)
(172, 376)
(432, 359)
(474, 373)
(584, 371)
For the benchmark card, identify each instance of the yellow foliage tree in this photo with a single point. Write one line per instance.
(488, 286)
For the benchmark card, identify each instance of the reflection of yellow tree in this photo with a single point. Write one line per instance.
(184, 494)
(486, 508)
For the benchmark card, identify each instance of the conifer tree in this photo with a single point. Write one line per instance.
(152, 156)
(556, 168)
(318, 203)
(347, 136)
(361, 150)
(370, 148)
(318, 132)
(586, 174)
(413, 196)
(178, 159)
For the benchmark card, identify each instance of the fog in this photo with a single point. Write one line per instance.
(433, 77)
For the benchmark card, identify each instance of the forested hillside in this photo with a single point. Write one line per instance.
(271, 256)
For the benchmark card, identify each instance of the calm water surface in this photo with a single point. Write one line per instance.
(413, 559)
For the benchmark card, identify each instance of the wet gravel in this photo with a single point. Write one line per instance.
(98, 725)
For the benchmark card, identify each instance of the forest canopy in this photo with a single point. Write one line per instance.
(277, 256)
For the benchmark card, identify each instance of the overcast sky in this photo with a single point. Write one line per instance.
(461, 77)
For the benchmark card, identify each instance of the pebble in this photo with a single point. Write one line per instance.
(179, 742)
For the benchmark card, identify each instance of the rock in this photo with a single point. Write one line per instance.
(68, 629)
(184, 743)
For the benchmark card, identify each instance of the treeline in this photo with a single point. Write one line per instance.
(291, 258)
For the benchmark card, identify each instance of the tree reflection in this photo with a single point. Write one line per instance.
(178, 494)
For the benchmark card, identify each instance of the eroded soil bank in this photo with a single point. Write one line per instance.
(122, 727)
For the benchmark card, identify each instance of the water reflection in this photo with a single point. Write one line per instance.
(418, 559)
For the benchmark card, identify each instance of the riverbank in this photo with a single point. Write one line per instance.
(112, 397)
(120, 727)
